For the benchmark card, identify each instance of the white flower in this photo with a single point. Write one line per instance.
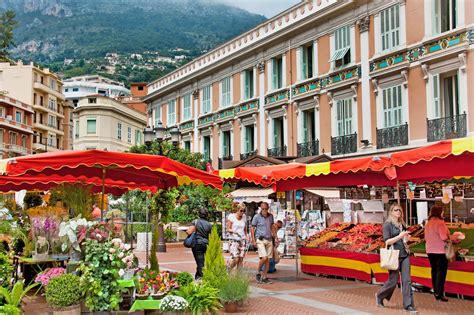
(112, 250)
(120, 255)
(99, 237)
(121, 272)
(124, 260)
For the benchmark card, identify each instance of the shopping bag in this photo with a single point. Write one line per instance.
(276, 255)
(389, 258)
(450, 251)
(190, 240)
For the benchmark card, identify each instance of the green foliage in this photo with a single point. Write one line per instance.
(6, 269)
(184, 278)
(170, 235)
(13, 298)
(99, 275)
(64, 290)
(202, 297)
(7, 25)
(32, 199)
(163, 203)
(214, 272)
(235, 288)
(77, 197)
(19, 236)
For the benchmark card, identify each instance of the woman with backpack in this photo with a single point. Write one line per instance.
(203, 228)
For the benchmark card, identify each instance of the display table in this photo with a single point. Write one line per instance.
(141, 305)
(36, 265)
(361, 266)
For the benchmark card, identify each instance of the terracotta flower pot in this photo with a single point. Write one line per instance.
(68, 310)
(230, 307)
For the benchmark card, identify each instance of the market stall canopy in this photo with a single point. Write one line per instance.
(252, 194)
(326, 193)
(137, 169)
(261, 175)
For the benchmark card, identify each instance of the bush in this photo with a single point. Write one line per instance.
(214, 272)
(184, 278)
(64, 290)
(235, 288)
(202, 298)
(6, 269)
(170, 235)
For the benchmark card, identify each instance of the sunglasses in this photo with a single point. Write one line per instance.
(399, 210)
(241, 211)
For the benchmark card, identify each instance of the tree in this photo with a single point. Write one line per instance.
(7, 25)
(214, 272)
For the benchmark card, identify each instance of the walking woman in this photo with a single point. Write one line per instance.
(203, 228)
(436, 235)
(237, 228)
(394, 234)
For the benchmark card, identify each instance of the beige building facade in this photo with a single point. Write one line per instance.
(105, 124)
(343, 78)
(42, 90)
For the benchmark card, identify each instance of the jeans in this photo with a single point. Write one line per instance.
(199, 251)
(439, 270)
(388, 287)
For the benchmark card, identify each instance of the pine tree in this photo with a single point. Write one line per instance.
(214, 271)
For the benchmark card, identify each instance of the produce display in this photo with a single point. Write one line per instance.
(465, 247)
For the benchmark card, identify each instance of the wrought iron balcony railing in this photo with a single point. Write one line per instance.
(392, 136)
(244, 156)
(309, 148)
(277, 152)
(447, 127)
(344, 144)
(222, 159)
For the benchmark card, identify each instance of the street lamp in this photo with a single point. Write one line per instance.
(157, 135)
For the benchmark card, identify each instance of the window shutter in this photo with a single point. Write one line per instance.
(436, 98)
(247, 139)
(274, 74)
(304, 64)
(305, 127)
(436, 16)
(246, 84)
(276, 132)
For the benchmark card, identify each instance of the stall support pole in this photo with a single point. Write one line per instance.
(398, 193)
(103, 196)
(451, 210)
(296, 245)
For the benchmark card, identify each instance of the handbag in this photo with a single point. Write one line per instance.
(276, 255)
(190, 240)
(389, 258)
(450, 251)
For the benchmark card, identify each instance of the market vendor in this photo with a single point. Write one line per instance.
(96, 212)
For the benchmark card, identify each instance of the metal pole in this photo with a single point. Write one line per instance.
(146, 238)
(398, 193)
(451, 210)
(103, 196)
(296, 246)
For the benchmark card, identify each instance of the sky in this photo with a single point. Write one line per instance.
(267, 8)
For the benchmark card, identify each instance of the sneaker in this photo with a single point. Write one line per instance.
(258, 277)
(411, 309)
(378, 302)
(267, 281)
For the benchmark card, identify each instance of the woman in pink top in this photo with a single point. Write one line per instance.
(436, 235)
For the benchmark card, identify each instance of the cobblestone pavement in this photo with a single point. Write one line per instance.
(308, 294)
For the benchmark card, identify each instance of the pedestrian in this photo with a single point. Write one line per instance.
(203, 228)
(395, 234)
(436, 236)
(237, 228)
(262, 239)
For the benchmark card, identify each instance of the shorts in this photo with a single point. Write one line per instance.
(265, 248)
(237, 248)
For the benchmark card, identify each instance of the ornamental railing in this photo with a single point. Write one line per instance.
(447, 127)
(277, 152)
(392, 136)
(244, 156)
(344, 144)
(309, 148)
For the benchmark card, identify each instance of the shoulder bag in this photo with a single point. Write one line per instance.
(190, 240)
(450, 250)
(389, 258)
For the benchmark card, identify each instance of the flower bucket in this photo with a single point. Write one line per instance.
(230, 307)
(69, 310)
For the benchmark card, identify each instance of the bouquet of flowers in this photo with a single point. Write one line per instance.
(173, 303)
(50, 273)
(153, 283)
(75, 230)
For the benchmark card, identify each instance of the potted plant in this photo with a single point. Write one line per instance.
(202, 298)
(50, 273)
(75, 230)
(233, 290)
(13, 298)
(172, 304)
(64, 294)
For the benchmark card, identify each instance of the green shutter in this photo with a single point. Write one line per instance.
(304, 63)
(305, 126)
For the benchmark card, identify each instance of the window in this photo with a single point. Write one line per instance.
(342, 47)
(278, 133)
(186, 107)
(249, 138)
(392, 106)
(247, 88)
(129, 134)
(226, 99)
(277, 73)
(51, 121)
(305, 62)
(91, 126)
(138, 137)
(52, 84)
(13, 138)
(140, 88)
(226, 144)
(206, 148)
(75, 89)
(18, 117)
(309, 125)
(2, 111)
(77, 129)
(187, 145)
(92, 100)
(446, 95)
(206, 99)
(66, 90)
(23, 141)
(157, 115)
(24, 119)
(390, 27)
(41, 100)
(172, 113)
(52, 104)
(119, 131)
(444, 15)
(344, 117)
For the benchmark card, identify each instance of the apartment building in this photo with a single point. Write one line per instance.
(135, 101)
(343, 78)
(41, 89)
(105, 124)
(16, 127)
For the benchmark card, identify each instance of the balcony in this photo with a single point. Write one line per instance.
(55, 111)
(46, 89)
(447, 128)
(244, 156)
(392, 136)
(40, 145)
(18, 149)
(344, 144)
(49, 128)
(277, 152)
(224, 158)
(310, 148)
